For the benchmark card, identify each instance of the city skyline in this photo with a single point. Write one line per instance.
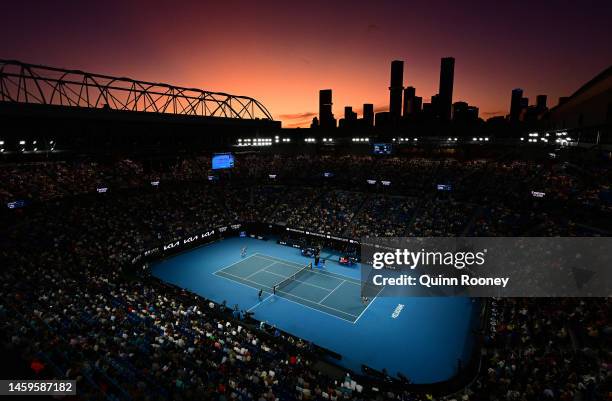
(283, 56)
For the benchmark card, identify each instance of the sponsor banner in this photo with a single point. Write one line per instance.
(487, 267)
(187, 241)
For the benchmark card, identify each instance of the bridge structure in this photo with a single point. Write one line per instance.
(37, 84)
(73, 111)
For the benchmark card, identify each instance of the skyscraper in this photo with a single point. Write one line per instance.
(524, 102)
(349, 114)
(368, 114)
(464, 113)
(326, 117)
(515, 104)
(418, 101)
(395, 89)
(445, 98)
(409, 95)
(541, 102)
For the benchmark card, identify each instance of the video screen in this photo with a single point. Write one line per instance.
(382, 149)
(222, 161)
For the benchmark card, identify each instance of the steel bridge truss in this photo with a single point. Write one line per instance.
(35, 84)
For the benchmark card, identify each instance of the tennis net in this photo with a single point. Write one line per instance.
(291, 278)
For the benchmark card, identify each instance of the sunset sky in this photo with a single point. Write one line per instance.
(283, 52)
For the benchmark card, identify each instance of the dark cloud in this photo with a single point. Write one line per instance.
(308, 114)
(297, 124)
(493, 113)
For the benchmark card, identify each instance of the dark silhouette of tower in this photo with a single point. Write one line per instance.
(418, 101)
(445, 94)
(409, 95)
(524, 102)
(326, 117)
(368, 114)
(541, 102)
(435, 106)
(515, 104)
(349, 114)
(395, 89)
(464, 113)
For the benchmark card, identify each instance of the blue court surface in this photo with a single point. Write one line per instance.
(423, 338)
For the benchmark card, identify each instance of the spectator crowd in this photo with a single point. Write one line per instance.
(73, 310)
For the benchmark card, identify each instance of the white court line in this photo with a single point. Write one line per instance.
(333, 275)
(235, 263)
(370, 303)
(260, 270)
(327, 274)
(293, 295)
(332, 291)
(299, 281)
(287, 299)
(259, 303)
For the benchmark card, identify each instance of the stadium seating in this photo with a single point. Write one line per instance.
(71, 306)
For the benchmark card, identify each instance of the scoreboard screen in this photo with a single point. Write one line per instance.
(382, 148)
(222, 160)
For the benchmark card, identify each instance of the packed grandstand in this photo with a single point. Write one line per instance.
(73, 307)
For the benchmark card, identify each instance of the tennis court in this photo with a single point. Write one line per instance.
(420, 337)
(321, 290)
